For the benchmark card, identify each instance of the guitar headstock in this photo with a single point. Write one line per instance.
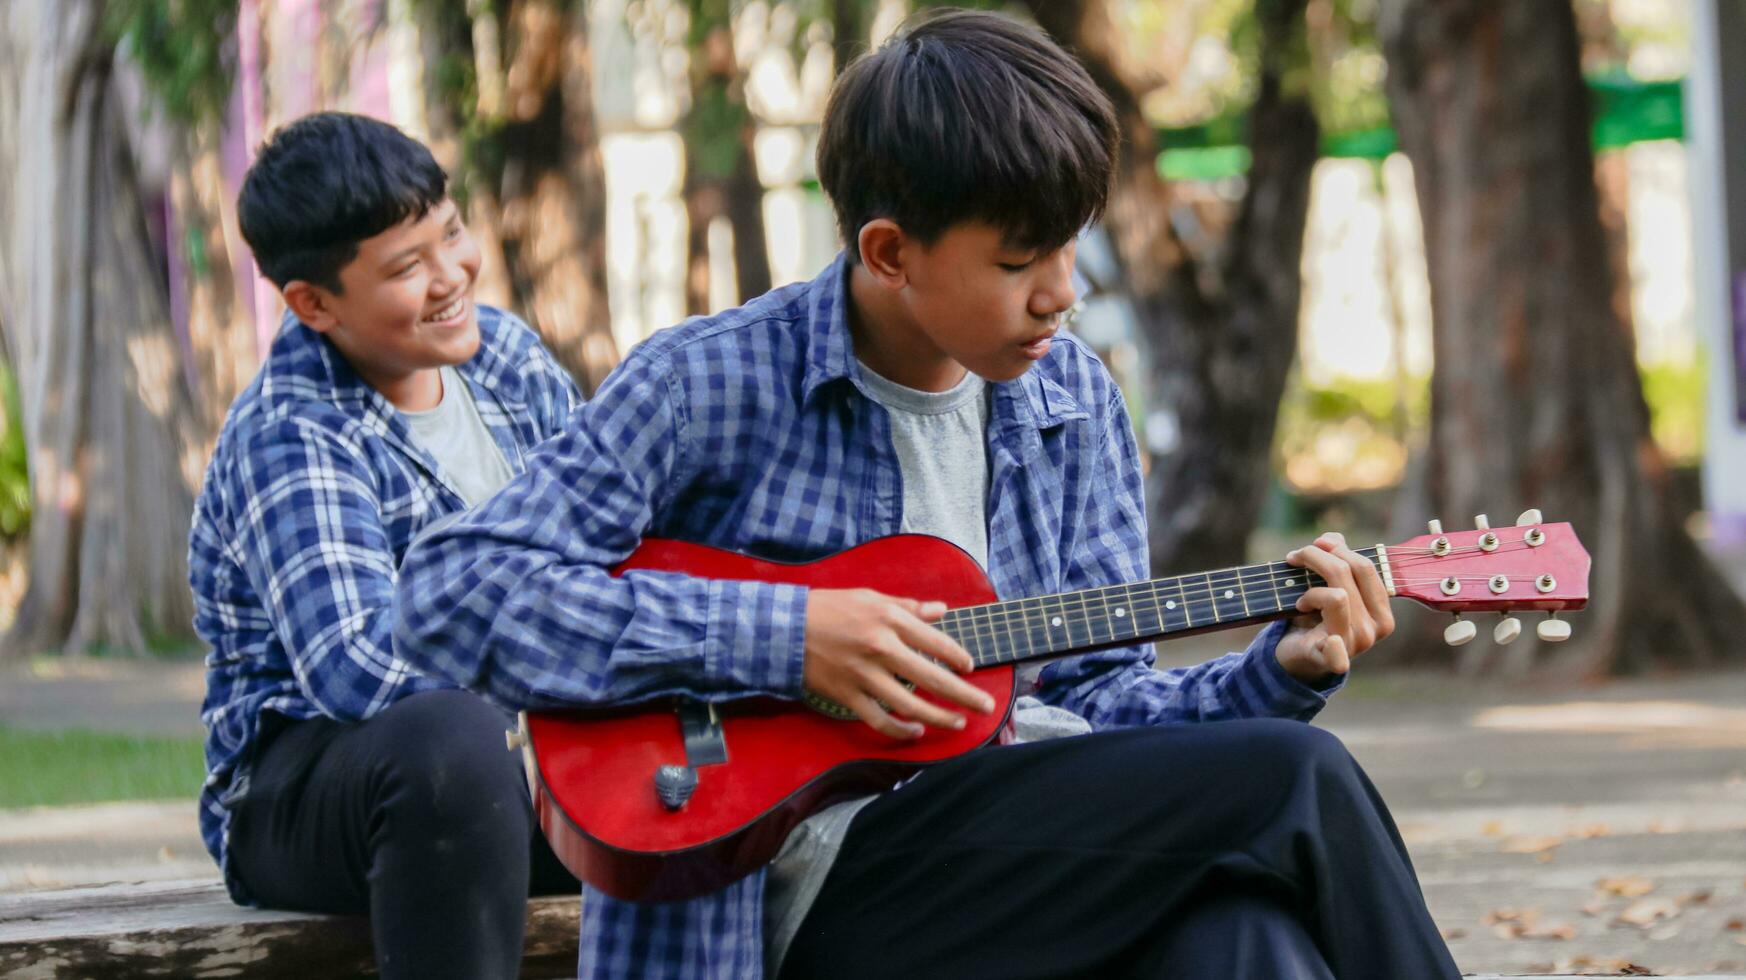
(1532, 566)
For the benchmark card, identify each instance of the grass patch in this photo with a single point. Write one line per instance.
(80, 766)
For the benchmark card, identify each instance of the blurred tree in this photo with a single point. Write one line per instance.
(509, 84)
(1218, 327)
(110, 421)
(721, 173)
(1536, 400)
(849, 20)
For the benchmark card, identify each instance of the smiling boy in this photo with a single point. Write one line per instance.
(339, 779)
(1195, 827)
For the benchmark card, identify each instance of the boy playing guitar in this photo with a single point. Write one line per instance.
(1195, 828)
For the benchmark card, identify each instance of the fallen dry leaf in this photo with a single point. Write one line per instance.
(1699, 897)
(1626, 886)
(1523, 923)
(1449, 935)
(1735, 925)
(1560, 931)
(1593, 830)
(1492, 828)
(1586, 963)
(1647, 911)
(1529, 845)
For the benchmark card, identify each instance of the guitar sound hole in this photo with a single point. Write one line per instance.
(831, 709)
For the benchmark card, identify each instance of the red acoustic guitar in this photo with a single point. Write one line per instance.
(670, 800)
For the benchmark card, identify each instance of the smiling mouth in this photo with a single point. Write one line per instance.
(448, 312)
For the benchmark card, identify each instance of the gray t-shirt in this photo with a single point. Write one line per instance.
(453, 432)
(942, 451)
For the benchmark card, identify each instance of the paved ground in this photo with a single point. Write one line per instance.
(1553, 832)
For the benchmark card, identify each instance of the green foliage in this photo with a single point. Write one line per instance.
(712, 130)
(78, 766)
(185, 49)
(1348, 434)
(1675, 393)
(14, 463)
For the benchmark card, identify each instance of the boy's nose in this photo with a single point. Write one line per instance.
(1058, 290)
(451, 275)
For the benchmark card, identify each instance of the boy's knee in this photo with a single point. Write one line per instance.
(449, 762)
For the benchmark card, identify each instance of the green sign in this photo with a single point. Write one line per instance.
(1625, 112)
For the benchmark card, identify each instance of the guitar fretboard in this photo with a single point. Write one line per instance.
(1053, 625)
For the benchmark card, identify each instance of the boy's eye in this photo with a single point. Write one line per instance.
(408, 267)
(453, 232)
(1016, 266)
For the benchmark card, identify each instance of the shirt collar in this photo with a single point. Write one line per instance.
(1031, 400)
(310, 350)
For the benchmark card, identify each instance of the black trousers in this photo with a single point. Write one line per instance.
(1228, 850)
(418, 817)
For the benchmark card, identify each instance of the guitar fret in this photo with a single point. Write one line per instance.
(1075, 615)
(1158, 607)
(1207, 578)
(1018, 620)
(959, 620)
(1057, 623)
(1221, 594)
(1126, 621)
(987, 634)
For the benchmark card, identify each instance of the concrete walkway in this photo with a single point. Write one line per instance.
(1554, 833)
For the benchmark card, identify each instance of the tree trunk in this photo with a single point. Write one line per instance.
(848, 32)
(1218, 332)
(108, 417)
(220, 354)
(721, 174)
(1535, 394)
(533, 170)
(552, 188)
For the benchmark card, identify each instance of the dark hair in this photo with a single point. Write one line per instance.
(325, 183)
(968, 115)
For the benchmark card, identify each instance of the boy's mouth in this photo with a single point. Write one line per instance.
(450, 312)
(1036, 349)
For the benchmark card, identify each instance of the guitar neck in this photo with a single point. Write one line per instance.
(1117, 615)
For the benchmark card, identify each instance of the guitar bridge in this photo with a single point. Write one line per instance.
(705, 745)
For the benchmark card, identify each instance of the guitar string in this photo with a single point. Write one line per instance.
(996, 621)
(1001, 614)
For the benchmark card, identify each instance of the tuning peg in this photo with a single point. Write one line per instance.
(1529, 516)
(1436, 526)
(1482, 522)
(1553, 630)
(1506, 631)
(1459, 632)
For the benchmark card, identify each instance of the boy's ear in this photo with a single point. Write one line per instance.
(311, 304)
(883, 246)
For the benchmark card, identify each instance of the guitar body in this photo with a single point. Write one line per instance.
(592, 773)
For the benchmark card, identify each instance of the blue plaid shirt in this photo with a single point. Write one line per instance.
(315, 489)
(750, 430)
